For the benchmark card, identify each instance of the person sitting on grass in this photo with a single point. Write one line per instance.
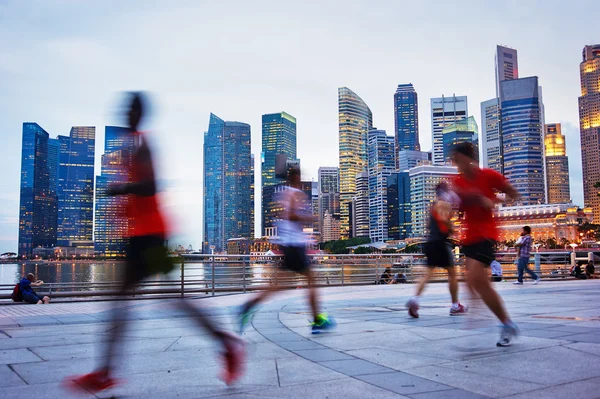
(29, 295)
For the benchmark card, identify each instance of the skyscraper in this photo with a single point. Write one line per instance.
(111, 225)
(399, 208)
(76, 186)
(557, 165)
(491, 150)
(359, 217)
(329, 202)
(445, 111)
(228, 183)
(37, 207)
(406, 118)
(274, 207)
(407, 159)
(521, 127)
(507, 66)
(589, 125)
(464, 130)
(355, 120)
(382, 163)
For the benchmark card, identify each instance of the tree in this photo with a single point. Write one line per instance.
(363, 250)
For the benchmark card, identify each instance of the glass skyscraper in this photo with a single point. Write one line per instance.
(38, 204)
(462, 131)
(228, 183)
(557, 165)
(381, 164)
(406, 118)
(355, 120)
(399, 209)
(329, 202)
(445, 111)
(76, 186)
(521, 127)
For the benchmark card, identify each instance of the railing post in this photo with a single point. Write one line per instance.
(244, 274)
(213, 274)
(182, 279)
(411, 268)
(342, 274)
(537, 260)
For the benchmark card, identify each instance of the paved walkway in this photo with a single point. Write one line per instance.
(377, 351)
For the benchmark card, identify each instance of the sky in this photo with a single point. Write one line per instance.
(67, 62)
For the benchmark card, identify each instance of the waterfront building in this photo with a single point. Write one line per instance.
(589, 125)
(406, 118)
(381, 164)
(329, 202)
(274, 207)
(408, 159)
(462, 131)
(330, 229)
(355, 120)
(557, 165)
(359, 209)
(228, 183)
(444, 112)
(491, 149)
(399, 208)
(423, 181)
(521, 127)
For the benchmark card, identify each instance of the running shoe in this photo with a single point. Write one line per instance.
(537, 281)
(461, 309)
(322, 324)
(508, 333)
(413, 308)
(244, 317)
(234, 357)
(97, 381)
(518, 283)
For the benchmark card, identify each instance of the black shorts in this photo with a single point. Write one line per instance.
(482, 251)
(143, 253)
(31, 297)
(439, 254)
(295, 259)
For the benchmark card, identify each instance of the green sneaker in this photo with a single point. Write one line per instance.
(244, 318)
(322, 324)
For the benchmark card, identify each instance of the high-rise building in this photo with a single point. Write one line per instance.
(423, 181)
(330, 229)
(76, 186)
(406, 118)
(329, 202)
(491, 150)
(359, 216)
(111, 225)
(274, 206)
(521, 127)
(407, 159)
(557, 165)
(38, 204)
(381, 164)
(228, 183)
(399, 209)
(444, 112)
(462, 131)
(507, 66)
(589, 125)
(355, 120)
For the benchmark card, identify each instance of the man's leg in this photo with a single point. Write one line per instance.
(453, 284)
(46, 300)
(520, 269)
(426, 277)
(528, 270)
(313, 298)
(478, 281)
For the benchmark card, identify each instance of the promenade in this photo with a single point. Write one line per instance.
(377, 351)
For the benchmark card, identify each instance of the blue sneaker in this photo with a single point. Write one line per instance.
(323, 324)
(508, 333)
(244, 317)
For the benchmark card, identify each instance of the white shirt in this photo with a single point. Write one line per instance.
(290, 233)
(496, 268)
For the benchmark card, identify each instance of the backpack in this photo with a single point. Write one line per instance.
(16, 295)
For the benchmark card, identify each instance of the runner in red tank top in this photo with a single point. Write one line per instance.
(146, 255)
(477, 189)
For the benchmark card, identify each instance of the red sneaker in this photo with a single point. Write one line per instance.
(457, 311)
(234, 357)
(413, 308)
(93, 382)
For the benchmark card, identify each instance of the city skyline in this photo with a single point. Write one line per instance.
(86, 64)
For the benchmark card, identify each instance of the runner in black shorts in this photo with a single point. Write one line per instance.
(438, 250)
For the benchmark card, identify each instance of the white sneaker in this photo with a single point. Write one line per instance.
(518, 283)
(537, 281)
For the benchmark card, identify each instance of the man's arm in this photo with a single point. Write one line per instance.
(38, 283)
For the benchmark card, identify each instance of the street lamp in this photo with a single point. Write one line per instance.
(573, 245)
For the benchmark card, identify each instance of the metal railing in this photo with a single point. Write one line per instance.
(224, 274)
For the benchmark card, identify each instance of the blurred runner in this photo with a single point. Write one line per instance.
(293, 241)
(147, 255)
(438, 250)
(477, 189)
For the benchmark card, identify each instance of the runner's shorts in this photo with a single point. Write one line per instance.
(439, 254)
(295, 259)
(482, 251)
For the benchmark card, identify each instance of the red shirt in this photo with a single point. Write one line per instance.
(479, 221)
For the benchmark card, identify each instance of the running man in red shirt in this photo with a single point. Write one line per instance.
(146, 255)
(477, 189)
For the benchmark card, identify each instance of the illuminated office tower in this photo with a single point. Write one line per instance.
(521, 126)
(462, 131)
(329, 203)
(507, 66)
(589, 125)
(399, 208)
(406, 118)
(491, 150)
(359, 207)
(557, 165)
(355, 120)
(382, 163)
(444, 112)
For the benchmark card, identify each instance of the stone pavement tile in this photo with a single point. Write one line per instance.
(6, 322)
(451, 394)
(435, 333)
(53, 390)
(577, 389)
(76, 319)
(546, 334)
(321, 355)
(35, 342)
(301, 371)
(192, 343)
(300, 345)
(284, 336)
(402, 383)
(574, 329)
(595, 380)
(58, 330)
(591, 338)
(395, 360)
(361, 340)
(9, 378)
(56, 371)
(487, 385)
(538, 366)
(267, 350)
(251, 336)
(593, 349)
(13, 356)
(354, 367)
(527, 326)
(36, 321)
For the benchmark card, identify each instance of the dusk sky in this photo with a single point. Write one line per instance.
(67, 62)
